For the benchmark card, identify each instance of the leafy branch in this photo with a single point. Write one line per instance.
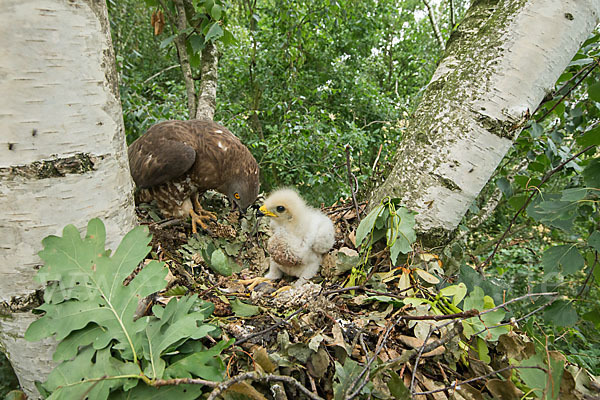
(103, 348)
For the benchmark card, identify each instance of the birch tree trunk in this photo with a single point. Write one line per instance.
(207, 100)
(499, 64)
(63, 158)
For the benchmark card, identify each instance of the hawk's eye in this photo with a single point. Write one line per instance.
(280, 208)
(236, 195)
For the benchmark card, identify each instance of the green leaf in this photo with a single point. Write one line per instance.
(486, 322)
(589, 138)
(165, 42)
(594, 240)
(561, 313)
(214, 32)
(591, 173)
(551, 210)
(106, 301)
(594, 91)
(85, 376)
(536, 130)
(203, 364)
(242, 309)
(516, 202)
(565, 256)
(504, 185)
(215, 12)
(220, 263)
(197, 43)
(228, 37)
(542, 385)
(456, 292)
(67, 349)
(397, 387)
(144, 392)
(366, 225)
(405, 234)
(174, 323)
(574, 194)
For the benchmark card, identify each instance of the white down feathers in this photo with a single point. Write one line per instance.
(301, 236)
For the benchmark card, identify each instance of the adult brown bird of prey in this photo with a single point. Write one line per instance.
(175, 162)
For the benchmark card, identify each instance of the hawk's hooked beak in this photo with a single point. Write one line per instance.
(262, 211)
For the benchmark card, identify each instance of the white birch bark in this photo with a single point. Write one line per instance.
(499, 64)
(63, 158)
(207, 100)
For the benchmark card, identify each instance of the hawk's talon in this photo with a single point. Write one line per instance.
(198, 219)
(205, 214)
(253, 282)
(281, 289)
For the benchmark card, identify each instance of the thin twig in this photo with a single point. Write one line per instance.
(353, 182)
(278, 324)
(457, 384)
(266, 378)
(184, 381)
(434, 25)
(592, 66)
(515, 321)
(367, 369)
(414, 370)
(160, 72)
(524, 206)
(377, 158)
(351, 288)
(590, 274)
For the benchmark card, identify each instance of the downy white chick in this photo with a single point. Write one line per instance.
(301, 236)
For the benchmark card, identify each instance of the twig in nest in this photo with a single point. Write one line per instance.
(367, 369)
(353, 182)
(457, 384)
(278, 324)
(266, 378)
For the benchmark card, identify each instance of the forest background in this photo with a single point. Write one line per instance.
(303, 82)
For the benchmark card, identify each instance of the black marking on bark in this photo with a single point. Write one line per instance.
(435, 237)
(509, 129)
(447, 183)
(22, 303)
(569, 16)
(34, 132)
(77, 164)
(11, 146)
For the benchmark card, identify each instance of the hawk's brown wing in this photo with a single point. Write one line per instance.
(161, 154)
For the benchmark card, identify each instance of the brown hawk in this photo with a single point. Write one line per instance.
(175, 162)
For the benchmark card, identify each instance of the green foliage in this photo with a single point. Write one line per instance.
(103, 348)
(300, 81)
(8, 379)
(392, 221)
(555, 163)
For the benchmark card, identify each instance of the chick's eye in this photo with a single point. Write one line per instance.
(236, 195)
(280, 208)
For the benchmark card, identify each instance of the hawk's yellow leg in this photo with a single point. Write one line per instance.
(200, 215)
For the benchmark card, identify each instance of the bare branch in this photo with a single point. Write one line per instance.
(353, 182)
(478, 378)
(434, 25)
(265, 378)
(186, 68)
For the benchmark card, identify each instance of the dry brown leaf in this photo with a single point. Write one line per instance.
(261, 357)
